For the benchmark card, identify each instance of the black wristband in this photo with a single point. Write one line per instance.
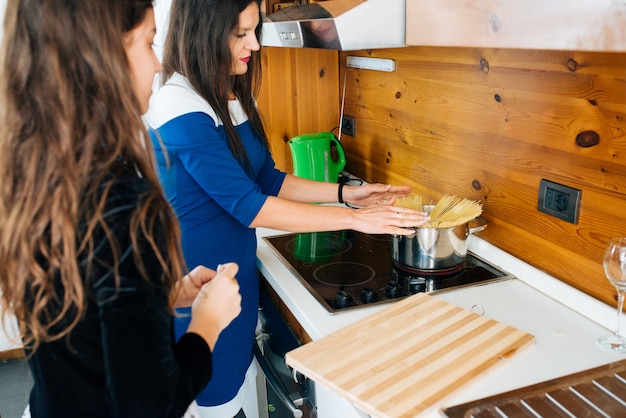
(340, 192)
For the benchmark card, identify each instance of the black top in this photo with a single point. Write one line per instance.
(121, 360)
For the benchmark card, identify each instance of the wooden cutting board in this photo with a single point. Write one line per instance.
(406, 358)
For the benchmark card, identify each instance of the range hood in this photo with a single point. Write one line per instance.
(345, 25)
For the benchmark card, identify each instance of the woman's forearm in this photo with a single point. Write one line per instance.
(304, 190)
(292, 216)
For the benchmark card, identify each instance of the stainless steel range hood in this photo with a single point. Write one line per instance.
(338, 24)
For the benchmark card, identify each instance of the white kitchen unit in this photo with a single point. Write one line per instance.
(564, 321)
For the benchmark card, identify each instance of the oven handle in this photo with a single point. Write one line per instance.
(270, 375)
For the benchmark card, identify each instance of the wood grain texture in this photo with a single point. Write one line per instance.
(299, 94)
(587, 25)
(402, 360)
(489, 124)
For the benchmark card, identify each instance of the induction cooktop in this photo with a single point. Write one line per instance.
(347, 269)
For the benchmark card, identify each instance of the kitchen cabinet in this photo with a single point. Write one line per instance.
(582, 25)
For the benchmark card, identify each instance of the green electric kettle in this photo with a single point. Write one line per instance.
(312, 159)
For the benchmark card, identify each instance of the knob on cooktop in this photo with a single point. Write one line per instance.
(393, 290)
(343, 300)
(368, 295)
(416, 285)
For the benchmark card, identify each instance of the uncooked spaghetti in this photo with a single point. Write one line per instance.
(410, 201)
(449, 212)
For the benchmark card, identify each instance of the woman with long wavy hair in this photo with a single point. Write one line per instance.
(89, 247)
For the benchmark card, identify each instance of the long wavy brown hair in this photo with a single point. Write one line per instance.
(68, 115)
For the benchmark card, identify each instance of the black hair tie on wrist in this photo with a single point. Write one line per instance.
(340, 192)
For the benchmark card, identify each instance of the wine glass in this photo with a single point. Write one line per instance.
(615, 269)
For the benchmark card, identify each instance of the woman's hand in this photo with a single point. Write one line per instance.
(386, 219)
(374, 194)
(189, 286)
(217, 303)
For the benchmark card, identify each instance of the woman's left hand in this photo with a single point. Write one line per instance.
(189, 285)
(374, 194)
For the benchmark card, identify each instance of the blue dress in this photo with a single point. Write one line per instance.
(215, 200)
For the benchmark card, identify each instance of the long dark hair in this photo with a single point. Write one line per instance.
(196, 46)
(68, 114)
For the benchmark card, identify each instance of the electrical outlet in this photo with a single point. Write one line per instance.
(348, 125)
(558, 200)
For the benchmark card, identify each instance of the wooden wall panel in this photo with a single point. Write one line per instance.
(485, 124)
(299, 94)
(490, 124)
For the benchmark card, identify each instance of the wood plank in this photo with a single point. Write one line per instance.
(486, 414)
(572, 403)
(543, 407)
(425, 60)
(600, 399)
(299, 94)
(531, 104)
(424, 350)
(515, 409)
(614, 385)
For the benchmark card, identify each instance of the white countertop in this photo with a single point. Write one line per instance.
(564, 321)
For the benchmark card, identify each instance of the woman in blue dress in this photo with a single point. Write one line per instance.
(218, 174)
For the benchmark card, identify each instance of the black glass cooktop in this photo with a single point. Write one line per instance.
(348, 269)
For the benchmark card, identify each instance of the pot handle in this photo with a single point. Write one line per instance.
(478, 228)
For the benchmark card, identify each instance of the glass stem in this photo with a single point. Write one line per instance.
(620, 305)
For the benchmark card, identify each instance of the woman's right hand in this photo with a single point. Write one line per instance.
(218, 302)
(388, 219)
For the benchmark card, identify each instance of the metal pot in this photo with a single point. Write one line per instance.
(435, 249)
